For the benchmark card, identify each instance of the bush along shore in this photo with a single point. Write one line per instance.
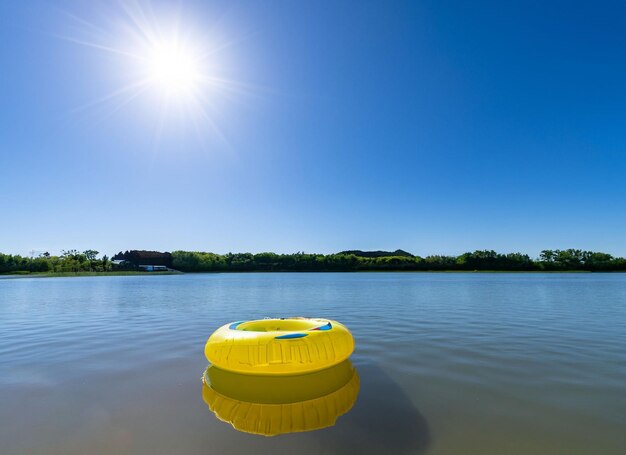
(135, 261)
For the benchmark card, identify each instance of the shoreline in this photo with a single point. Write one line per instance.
(141, 273)
(82, 274)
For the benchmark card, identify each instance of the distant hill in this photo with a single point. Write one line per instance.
(377, 254)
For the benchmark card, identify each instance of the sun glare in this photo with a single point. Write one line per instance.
(160, 57)
(173, 69)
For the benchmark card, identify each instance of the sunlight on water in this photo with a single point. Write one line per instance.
(447, 363)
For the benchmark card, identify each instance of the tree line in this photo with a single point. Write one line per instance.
(68, 261)
(346, 261)
(549, 260)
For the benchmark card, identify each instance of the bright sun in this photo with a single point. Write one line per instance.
(173, 69)
(162, 58)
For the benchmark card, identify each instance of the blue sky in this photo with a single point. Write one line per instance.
(432, 126)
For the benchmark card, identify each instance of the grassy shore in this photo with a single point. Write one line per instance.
(70, 274)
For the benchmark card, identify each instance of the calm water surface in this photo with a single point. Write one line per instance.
(449, 363)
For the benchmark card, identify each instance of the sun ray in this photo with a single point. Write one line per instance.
(100, 47)
(209, 120)
(115, 94)
(128, 100)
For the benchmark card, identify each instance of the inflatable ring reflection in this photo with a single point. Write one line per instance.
(269, 406)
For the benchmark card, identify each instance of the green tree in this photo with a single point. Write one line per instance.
(91, 254)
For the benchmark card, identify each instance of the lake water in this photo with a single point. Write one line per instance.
(448, 363)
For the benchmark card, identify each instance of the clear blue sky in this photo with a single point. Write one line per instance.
(432, 126)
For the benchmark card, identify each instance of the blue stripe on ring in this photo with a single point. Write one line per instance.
(324, 327)
(234, 325)
(290, 336)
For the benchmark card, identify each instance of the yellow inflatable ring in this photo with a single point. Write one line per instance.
(279, 346)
